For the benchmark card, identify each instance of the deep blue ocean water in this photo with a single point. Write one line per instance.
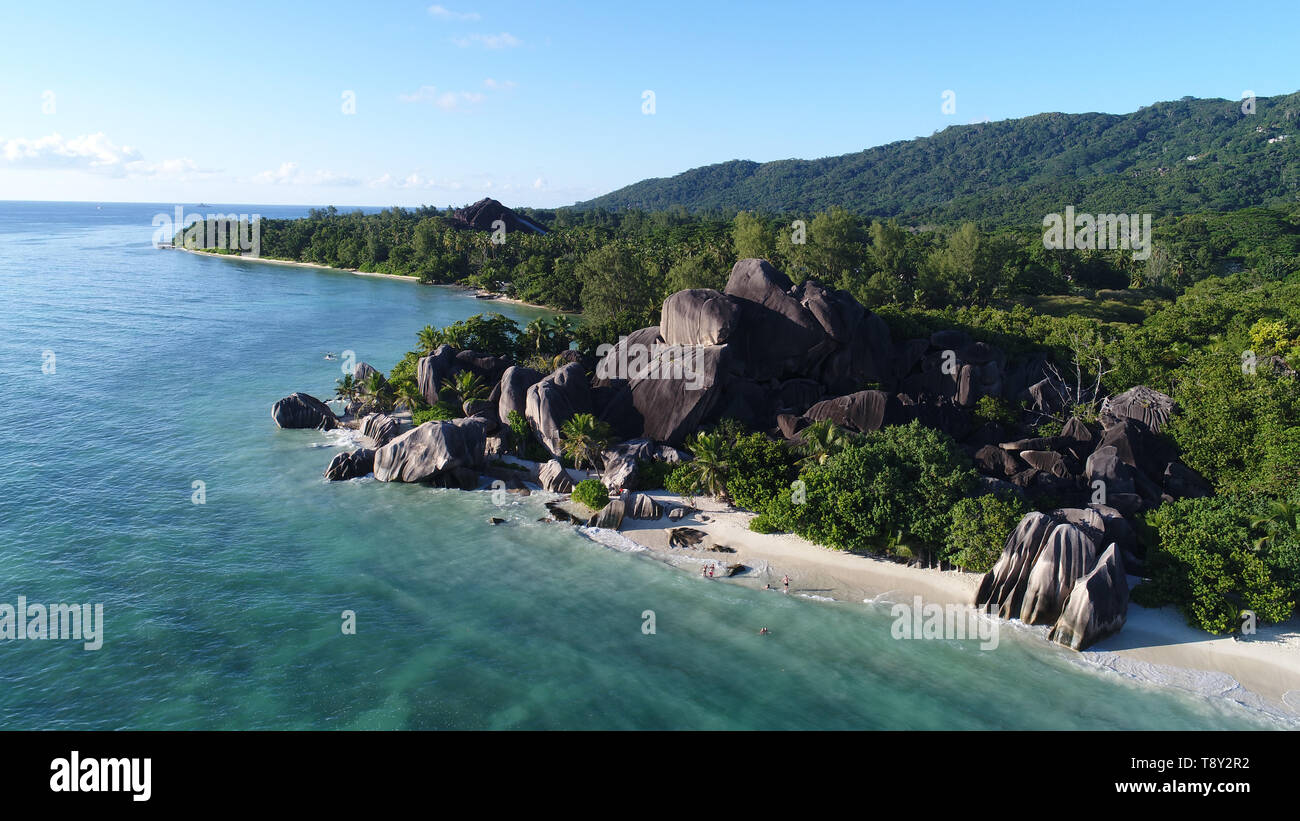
(226, 615)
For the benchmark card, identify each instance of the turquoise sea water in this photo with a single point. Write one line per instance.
(226, 615)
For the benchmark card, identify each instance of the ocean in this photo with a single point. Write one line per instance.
(129, 374)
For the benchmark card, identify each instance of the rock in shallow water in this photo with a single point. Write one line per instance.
(301, 410)
(442, 452)
(351, 465)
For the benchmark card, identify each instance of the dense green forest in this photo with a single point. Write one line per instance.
(1168, 158)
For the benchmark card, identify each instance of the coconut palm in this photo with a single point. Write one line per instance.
(345, 388)
(408, 393)
(537, 333)
(708, 470)
(820, 441)
(1281, 516)
(561, 330)
(466, 386)
(430, 338)
(376, 391)
(582, 439)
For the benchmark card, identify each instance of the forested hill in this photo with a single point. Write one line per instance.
(1015, 171)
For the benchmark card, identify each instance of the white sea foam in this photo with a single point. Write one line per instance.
(611, 538)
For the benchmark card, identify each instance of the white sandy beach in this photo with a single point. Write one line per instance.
(404, 278)
(1155, 645)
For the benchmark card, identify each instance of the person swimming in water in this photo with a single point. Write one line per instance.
(764, 632)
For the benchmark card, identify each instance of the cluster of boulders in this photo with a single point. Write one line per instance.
(778, 357)
(1053, 571)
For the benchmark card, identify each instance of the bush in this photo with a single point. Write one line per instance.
(763, 523)
(681, 480)
(652, 475)
(758, 469)
(996, 410)
(591, 493)
(1207, 564)
(441, 412)
(979, 530)
(900, 480)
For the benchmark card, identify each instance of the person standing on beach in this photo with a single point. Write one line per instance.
(786, 581)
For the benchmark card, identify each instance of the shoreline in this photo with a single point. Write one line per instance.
(416, 280)
(1155, 646)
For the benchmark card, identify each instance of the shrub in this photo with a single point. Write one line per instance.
(652, 475)
(979, 530)
(763, 523)
(996, 410)
(902, 481)
(1206, 563)
(591, 493)
(758, 469)
(441, 412)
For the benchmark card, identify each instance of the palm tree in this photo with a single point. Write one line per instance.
(466, 386)
(582, 439)
(708, 470)
(562, 330)
(537, 332)
(430, 338)
(408, 393)
(345, 388)
(376, 391)
(820, 441)
(1282, 515)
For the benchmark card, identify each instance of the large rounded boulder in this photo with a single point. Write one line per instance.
(440, 452)
(301, 410)
(431, 370)
(700, 316)
(555, 400)
(514, 385)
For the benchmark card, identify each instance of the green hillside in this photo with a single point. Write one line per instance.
(1015, 171)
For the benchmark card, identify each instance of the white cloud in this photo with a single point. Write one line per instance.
(539, 183)
(289, 174)
(446, 100)
(443, 13)
(499, 85)
(502, 40)
(94, 153)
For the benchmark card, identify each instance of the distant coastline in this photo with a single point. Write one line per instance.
(486, 296)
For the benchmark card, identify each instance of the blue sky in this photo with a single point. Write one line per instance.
(542, 103)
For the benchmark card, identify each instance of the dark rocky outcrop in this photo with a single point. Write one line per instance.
(642, 506)
(488, 367)
(1002, 589)
(1097, 605)
(482, 215)
(686, 537)
(554, 478)
(380, 428)
(701, 316)
(445, 453)
(362, 371)
(863, 411)
(431, 370)
(350, 465)
(609, 517)
(1150, 407)
(680, 387)
(514, 384)
(995, 461)
(300, 410)
(554, 400)
(778, 337)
